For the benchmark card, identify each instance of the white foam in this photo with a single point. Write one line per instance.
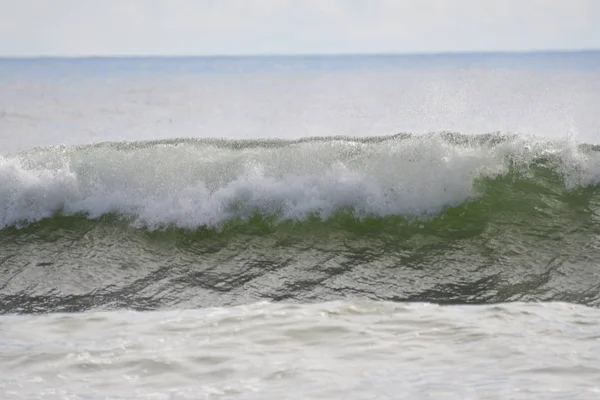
(189, 184)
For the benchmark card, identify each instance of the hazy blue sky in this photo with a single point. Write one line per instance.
(199, 27)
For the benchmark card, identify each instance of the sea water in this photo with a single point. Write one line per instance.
(361, 227)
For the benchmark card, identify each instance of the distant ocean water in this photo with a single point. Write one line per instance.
(303, 227)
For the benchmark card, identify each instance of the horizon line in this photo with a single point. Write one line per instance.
(299, 55)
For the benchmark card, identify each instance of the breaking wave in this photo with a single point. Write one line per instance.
(195, 184)
(443, 218)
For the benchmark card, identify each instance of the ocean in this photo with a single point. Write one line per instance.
(357, 227)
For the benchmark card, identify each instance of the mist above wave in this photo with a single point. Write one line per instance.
(50, 102)
(192, 183)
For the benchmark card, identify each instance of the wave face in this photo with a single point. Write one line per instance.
(445, 217)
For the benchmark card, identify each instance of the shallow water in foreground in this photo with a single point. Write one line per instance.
(349, 349)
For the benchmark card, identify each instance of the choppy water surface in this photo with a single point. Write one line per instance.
(354, 350)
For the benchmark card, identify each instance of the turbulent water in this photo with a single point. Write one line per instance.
(358, 350)
(444, 218)
(145, 262)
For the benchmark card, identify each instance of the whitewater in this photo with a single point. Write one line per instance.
(300, 227)
(198, 183)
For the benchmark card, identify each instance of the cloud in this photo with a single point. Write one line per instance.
(140, 27)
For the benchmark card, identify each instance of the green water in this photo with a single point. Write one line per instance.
(520, 238)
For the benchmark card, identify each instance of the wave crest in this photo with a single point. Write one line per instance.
(205, 183)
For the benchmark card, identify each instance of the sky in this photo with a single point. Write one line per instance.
(245, 27)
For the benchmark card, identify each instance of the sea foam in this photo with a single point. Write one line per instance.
(191, 183)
